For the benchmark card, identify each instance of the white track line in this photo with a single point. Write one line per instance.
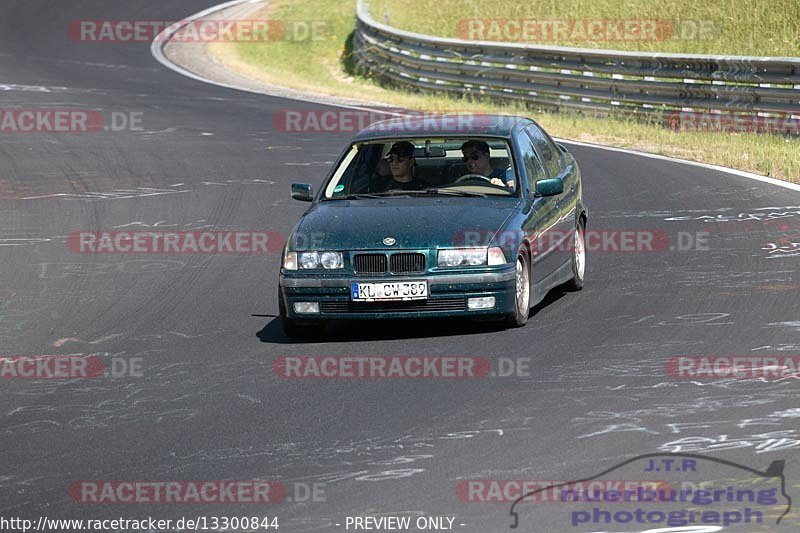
(161, 40)
(735, 172)
(157, 49)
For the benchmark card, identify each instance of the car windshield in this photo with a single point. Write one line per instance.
(465, 167)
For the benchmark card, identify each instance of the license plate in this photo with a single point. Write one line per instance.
(389, 290)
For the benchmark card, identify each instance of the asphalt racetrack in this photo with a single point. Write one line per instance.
(194, 395)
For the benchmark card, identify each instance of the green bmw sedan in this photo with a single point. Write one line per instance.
(434, 216)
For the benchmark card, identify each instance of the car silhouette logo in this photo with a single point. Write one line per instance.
(389, 241)
(775, 470)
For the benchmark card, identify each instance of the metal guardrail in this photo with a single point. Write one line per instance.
(577, 78)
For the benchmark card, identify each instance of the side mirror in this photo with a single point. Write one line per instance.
(549, 187)
(302, 192)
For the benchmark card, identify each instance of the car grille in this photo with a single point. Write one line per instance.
(407, 263)
(369, 263)
(399, 263)
(438, 304)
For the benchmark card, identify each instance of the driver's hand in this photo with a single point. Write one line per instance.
(498, 181)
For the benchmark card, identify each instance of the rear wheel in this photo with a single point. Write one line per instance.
(522, 291)
(290, 326)
(578, 257)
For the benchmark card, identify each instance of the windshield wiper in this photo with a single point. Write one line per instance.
(452, 192)
(360, 195)
(403, 192)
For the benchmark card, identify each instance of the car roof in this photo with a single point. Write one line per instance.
(438, 125)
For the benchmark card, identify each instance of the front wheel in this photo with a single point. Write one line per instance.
(522, 292)
(578, 258)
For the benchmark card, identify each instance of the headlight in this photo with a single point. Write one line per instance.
(462, 257)
(331, 260)
(309, 259)
(312, 260)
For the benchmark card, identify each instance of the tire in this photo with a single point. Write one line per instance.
(292, 329)
(578, 258)
(522, 291)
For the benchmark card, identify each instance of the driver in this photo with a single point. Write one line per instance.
(476, 156)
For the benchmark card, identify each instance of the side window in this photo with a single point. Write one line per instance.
(549, 151)
(530, 160)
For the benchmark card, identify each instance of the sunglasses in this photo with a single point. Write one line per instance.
(474, 157)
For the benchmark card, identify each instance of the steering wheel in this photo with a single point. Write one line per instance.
(472, 177)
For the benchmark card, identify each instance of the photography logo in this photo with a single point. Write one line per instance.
(740, 505)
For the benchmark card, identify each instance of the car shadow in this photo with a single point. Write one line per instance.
(394, 329)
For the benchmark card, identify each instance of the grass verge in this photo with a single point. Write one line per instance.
(725, 27)
(315, 65)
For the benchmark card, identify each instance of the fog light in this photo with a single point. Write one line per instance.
(306, 307)
(484, 302)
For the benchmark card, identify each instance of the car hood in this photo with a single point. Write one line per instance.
(415, 223)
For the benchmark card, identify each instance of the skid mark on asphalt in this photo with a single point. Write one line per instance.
(133, 338)
(163, 224)
(130, 406)
(775, 430)
(310, 164)
(368, 459)
(794, 325)
(778, 348)
(38, 88)
(22, 241)
(689, 415)
(65, 340)
(688, 276)
(90, 269)
(772, 441)
(28, 191)
(161, 394)
(759, 214)
(139, 192)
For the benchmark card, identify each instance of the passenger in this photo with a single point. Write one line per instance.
(476, 156)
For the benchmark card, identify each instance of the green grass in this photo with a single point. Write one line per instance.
(316, 66)
(732, 27)
(301, 63)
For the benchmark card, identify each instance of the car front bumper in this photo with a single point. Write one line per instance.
(448, 295)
